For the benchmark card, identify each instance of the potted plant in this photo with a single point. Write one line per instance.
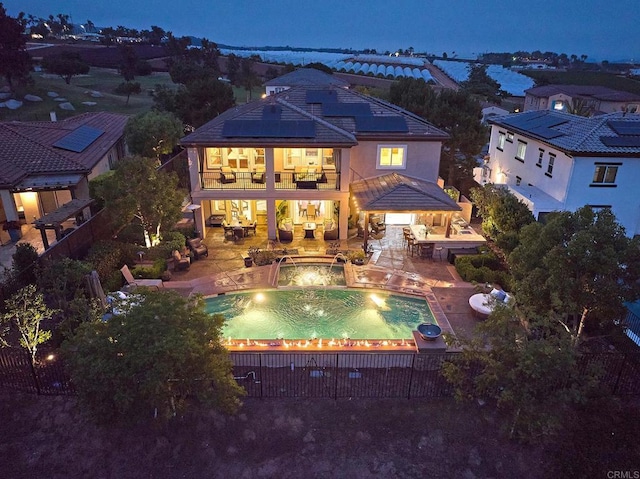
(14, 229)
(253, 253)
(357, 257)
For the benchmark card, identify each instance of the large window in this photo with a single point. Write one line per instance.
(540, 156)
(605, 174)
(391, 156)
(501, 138)
(308, 157)
(522, 150)
(214, 157)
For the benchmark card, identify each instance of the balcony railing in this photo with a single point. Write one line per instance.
(284, 180)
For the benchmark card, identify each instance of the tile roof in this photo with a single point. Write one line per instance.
(26, 148)
(307, 77)
(593, 91)
(330, 131)
(574, 134)
(395, 192)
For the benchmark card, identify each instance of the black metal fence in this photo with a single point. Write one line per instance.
(321, 375)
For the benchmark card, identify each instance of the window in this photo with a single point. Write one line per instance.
(510, 137)
(540, 155)
(258, 157)
(522, 149)
(557, 105)
(501, 138)
(605, 174)
(552, 160)
(214, 157)
(518, 180)
(391, 156)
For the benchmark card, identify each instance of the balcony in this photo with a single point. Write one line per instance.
(284, 180)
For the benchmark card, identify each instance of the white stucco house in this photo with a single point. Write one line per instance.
(559, 162)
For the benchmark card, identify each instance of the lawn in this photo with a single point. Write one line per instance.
(99, 79)
(610, 80)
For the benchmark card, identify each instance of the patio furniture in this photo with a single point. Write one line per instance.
(330, 230)
(258, 176)
(311, 211)
(238, 232)
(426, 250)
(252, 227)
(147, 283)
(309, 230)
(180, 262)
(198, 248)
(216, 219)
(483, 304)
(227, 175)
(285, 232)
(228, 229)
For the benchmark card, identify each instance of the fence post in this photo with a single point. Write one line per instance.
(261, 373)
(413, 362)
(335, 373)
(615, 386)
(33, 373)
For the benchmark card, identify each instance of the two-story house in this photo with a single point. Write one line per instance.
(307, 150)
(560, 162)
(304, 77)
(592, 99)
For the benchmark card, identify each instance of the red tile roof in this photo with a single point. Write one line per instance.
(26, 148)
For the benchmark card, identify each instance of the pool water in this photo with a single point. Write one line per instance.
(319, 313)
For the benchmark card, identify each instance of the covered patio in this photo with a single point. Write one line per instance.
(54, 221)
(439, 223)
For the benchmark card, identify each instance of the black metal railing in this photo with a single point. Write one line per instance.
(323, 375)
(282, 180)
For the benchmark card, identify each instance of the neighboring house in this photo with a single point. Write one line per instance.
(303, 77)
(308, 152)
(490, 111)
(560, 162)
(593, 99)
(44, 165)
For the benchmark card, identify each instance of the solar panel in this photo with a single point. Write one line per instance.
(79, 139)
(269, 129)
(621, 141)
(546, 133)
(381, 124)
(625, 128)
(321, 96)
(271, 112)
(346, 109)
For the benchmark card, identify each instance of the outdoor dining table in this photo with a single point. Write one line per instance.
(243, 225)
(421, 238)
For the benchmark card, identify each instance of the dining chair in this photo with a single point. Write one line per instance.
(311, 211)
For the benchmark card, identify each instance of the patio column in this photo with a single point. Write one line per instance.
(271, 219)
(447, 225)
(9, 205)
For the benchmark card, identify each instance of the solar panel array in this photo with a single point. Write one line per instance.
(625, 128)
(79, 139)
(269, 129)
(540, 124)
(621, 141)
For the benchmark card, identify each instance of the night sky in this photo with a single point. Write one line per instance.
(598, 28)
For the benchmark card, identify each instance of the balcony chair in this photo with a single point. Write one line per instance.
(180, 262)
(198, 248)
(227, 175)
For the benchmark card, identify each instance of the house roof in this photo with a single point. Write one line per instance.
(307, 77)
(395, 192)
(29, 148)
(320, 116)
(597, 92)
(613, 134)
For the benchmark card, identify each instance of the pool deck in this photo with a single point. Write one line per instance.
(391, 268)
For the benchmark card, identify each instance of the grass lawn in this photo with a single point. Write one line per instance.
(99, 79)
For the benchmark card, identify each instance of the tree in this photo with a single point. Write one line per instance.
(15, 62)
(481, 84)
(233, 67)
(197, 102)
(138, 190)
(66, 65)
(25, 311)
(128, 88)
(529, 369)
(248, 76)
(161, 350)
(153, 133)
(580, 106)
(457, 113)
(128, 63)
(577, 266)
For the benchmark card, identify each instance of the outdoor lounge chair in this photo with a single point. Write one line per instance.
(198, 248)
(227, 175)
(180, 262)
(148, 283)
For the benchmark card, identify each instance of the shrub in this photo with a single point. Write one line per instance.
(150, 272)
(107, 257)
(173, 240)
(24, 264)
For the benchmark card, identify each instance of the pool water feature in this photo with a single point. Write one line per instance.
(304, 275)
(315, 313)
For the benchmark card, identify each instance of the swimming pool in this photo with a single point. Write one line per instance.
(320, 313)
(303, 275)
